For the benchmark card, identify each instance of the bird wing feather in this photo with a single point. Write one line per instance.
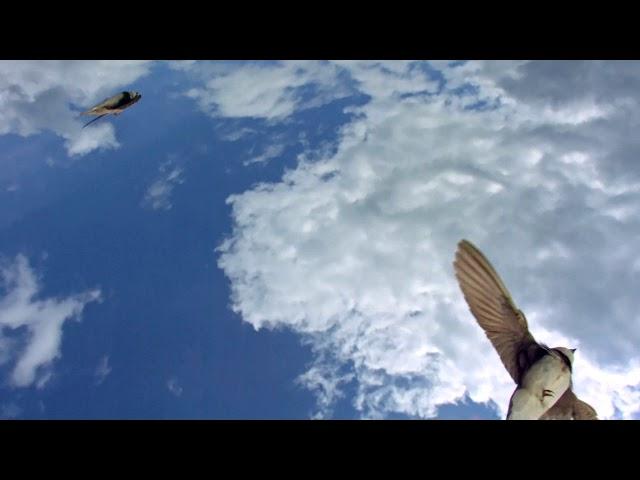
(583, 411)
(117, 101)
(495, 311)
(568, 407)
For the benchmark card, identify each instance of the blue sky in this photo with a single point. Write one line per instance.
(274, 239)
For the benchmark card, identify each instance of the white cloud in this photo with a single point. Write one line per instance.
(102, 370)
(388, 80)
(36, 95)
(324, 379)
(236, 134)
(158, 195)
(38, 323)
(354, 251)
(182, 64)
(174, 387)
(272, 151)
(266, 90)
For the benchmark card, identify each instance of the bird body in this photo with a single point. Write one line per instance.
(542, 386)
(113, 105)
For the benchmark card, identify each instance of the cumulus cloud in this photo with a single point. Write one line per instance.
(158, 194)
(534, 162)
(102, 370)
(37, 95)
(31, 328)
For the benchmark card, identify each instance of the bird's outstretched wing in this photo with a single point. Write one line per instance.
(118, 101)
(492, 306)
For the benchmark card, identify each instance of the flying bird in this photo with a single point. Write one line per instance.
(113, 105)
(542, 374)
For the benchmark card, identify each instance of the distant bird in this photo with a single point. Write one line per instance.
(113, 105)
(542, 374)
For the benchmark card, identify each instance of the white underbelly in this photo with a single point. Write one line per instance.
(529, 401)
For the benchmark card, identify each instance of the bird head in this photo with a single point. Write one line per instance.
(567, 351)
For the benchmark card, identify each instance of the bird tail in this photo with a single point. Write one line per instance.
(584, 411)
(97, 118)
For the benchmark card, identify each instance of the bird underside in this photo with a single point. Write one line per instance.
(542, 386)
(104, 111)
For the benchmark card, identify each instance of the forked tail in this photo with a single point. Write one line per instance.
(97, 118)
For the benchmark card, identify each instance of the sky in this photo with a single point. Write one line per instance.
(274, 239)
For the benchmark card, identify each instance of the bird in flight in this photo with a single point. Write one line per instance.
(113, 105)
(542, 374)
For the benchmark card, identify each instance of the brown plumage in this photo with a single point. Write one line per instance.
(570, 407)
(113, 105)
(546, 391)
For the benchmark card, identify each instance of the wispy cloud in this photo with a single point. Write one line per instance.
(533, 161)
(36, 323)
(10, 411)
(174, 387)
(236, 134)
(102, 370)
(325, 380)
(272, 151)
(158, 195)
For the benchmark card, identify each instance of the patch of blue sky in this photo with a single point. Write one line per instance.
(166, 311)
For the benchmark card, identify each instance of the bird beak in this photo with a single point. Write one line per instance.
(573, 349)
